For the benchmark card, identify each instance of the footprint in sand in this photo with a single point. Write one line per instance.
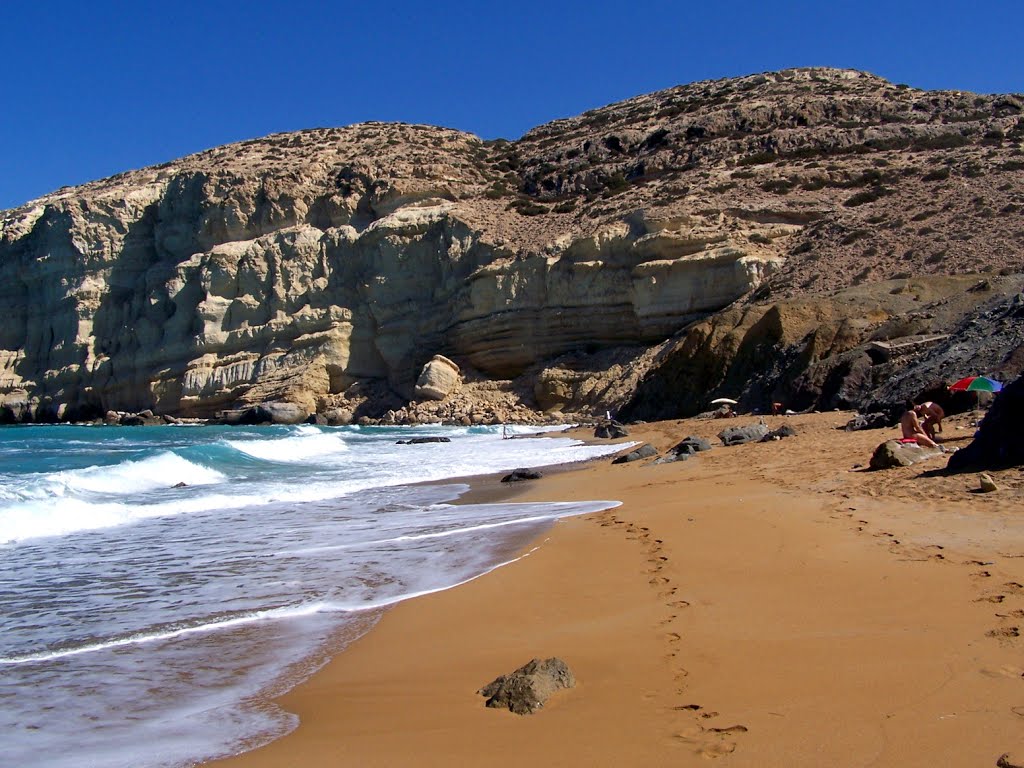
(1004, 633)
(711, 742)
(1006, 670)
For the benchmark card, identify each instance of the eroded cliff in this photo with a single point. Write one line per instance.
(326, 267)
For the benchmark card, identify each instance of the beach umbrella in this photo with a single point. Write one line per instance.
(976, 384)
(723, 401)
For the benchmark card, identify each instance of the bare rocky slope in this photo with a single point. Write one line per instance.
(770, 237)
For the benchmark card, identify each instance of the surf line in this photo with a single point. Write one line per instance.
(270, 614)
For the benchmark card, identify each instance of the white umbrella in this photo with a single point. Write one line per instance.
(723, 400)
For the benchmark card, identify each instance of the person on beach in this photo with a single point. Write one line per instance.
(912, 429)
(931, 415)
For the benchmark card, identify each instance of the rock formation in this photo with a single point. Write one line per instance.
(438, 379)
(525, 690)
(757, 231)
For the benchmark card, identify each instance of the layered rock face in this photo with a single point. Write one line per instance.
(290, 268)
(311, 267)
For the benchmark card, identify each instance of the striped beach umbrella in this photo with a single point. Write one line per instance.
(976, 384)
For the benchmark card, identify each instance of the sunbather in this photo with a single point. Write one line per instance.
(912, 428)
(931, 415)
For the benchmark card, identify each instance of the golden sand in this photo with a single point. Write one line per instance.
(762, 605)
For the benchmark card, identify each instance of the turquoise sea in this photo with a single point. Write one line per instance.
(159, 584)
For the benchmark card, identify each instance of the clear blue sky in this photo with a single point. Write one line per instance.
(90, 89)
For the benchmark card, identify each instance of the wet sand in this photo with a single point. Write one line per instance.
(762, 605)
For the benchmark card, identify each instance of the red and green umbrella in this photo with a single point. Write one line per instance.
(976, 384)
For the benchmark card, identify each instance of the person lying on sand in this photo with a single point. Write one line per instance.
(931, 415)
(912, 428)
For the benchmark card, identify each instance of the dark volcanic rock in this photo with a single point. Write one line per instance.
(421, 440)
(861, 421)
(525, 690)
(777, 434)
(645, 451)
(264, 413)
(690, 445)
(610, 430)
(517, 475)
(751, 433)
(669, 458)
(998, 443)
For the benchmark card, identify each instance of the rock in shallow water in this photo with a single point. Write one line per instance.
(516, 475)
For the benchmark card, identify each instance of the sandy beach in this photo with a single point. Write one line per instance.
(769, 604)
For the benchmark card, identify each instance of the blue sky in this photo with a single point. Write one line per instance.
(90, 89)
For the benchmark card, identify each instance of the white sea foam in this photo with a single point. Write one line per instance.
(174, 612)
(308, 443)
(212, 626)
(164, 470)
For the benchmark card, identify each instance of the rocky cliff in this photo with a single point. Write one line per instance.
(326, 267)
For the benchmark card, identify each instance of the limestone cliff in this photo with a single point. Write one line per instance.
(320, 266)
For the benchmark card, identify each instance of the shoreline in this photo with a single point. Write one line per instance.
(770, 603)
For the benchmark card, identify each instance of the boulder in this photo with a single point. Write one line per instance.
(893, 453)
(610, 430)
(997, 444)
(861, 421)
(438, 379)
(668, 458)
(422, 440)
(690, 445)
(645, 451)
(264, 413)
(777, 434)
(518, 475)
(525, 690)
(751, 433)
(339, 417)
(986, 484)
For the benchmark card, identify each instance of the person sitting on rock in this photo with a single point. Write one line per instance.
(931, 415)
(912, 428)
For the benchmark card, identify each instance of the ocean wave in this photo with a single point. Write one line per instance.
(555, 511)
(164, 470)
(307, 443)
(269, 614)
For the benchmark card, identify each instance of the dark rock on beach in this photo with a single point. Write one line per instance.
(777, 434)
(690, 445)
(877, 420)
(517, 475)
(751, 433)
(610, 430)
(525, 690)
(997, 445)
(422, 440)
(645, 451)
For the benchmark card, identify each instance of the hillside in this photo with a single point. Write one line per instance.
(749, 236)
